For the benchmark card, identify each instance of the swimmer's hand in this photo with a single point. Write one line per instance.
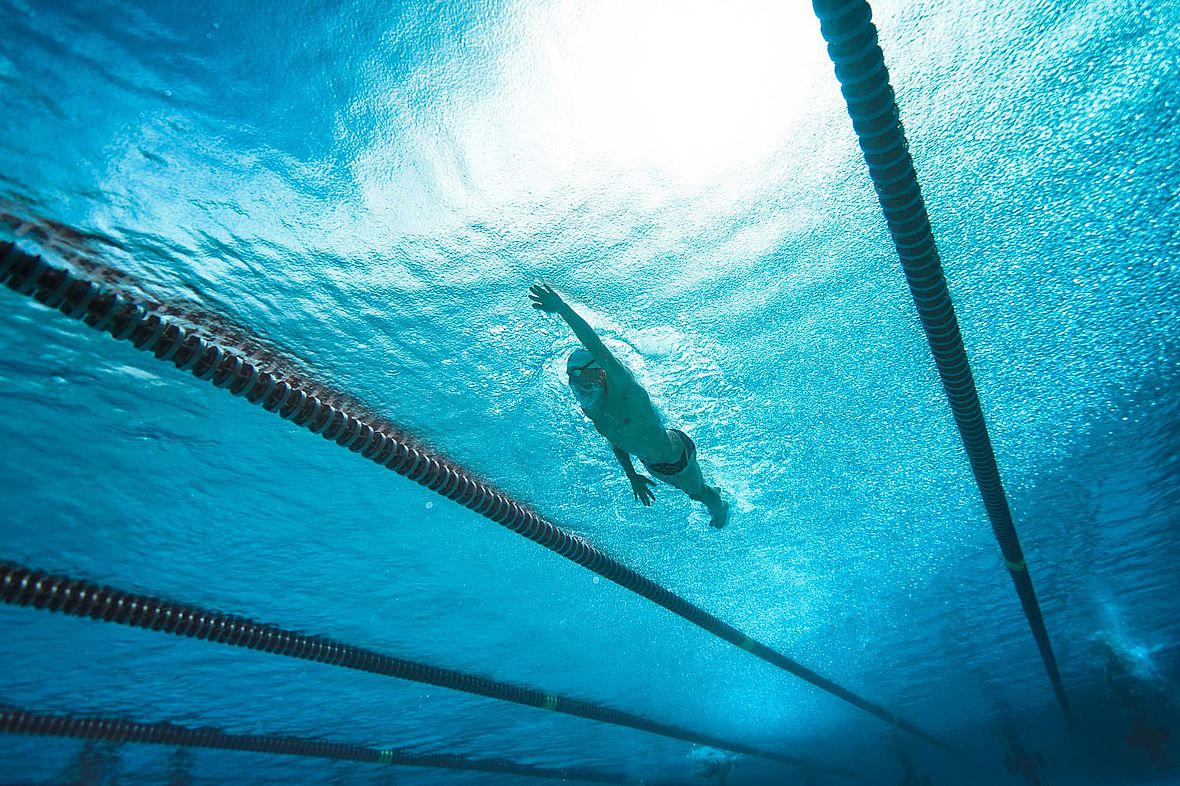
(644, 488)
(546, 299)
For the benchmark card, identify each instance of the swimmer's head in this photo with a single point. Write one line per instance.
(581, 367)
(586, 377)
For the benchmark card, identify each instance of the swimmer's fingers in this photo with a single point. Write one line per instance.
(543, 289)
(544, 298)
(644, 488)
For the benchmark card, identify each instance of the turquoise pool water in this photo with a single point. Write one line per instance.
(369, 190)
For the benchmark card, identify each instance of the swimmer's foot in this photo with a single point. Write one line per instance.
(719, 513)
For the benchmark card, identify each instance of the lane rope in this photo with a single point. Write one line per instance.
(25, 587)
(120, 730)
(851, 36)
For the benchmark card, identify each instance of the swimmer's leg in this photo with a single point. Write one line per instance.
(692, 483)
(718, 508)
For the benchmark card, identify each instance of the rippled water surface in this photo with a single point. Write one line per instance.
(370, 188)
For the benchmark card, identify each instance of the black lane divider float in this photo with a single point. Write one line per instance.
(20, 721)
(21, 586)
(848, 28)
(227, 367)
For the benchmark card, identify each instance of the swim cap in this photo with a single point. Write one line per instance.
(578, 358)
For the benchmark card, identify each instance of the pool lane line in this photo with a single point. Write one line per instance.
(27, 587)
(228, 367)
(120, 730)
(851, 36)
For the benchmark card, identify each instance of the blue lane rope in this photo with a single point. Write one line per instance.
(292, 399)
(848, 28)
(120, 730)
(27, 587)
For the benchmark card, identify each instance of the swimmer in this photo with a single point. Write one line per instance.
(716, 765)
(1017, 758)
(622, 411)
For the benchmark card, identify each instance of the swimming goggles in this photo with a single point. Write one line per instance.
(577, 370)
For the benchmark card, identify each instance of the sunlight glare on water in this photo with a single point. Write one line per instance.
(625, 102)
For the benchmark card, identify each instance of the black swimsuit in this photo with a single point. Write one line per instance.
(674, 467)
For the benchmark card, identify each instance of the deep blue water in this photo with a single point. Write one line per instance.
(370, 188)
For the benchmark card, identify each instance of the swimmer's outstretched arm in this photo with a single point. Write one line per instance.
(641, 485)
(546, 299)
